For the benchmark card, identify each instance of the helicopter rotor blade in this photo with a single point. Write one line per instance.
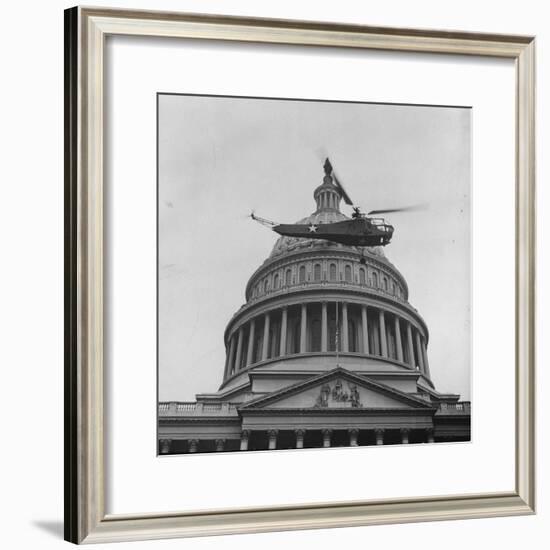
(412, 208)
(345, 196)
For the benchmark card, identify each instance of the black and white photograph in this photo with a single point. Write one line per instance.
(314, 266)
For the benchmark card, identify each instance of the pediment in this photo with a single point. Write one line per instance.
(337, 389)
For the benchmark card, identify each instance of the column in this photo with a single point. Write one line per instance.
(165, 445)
(353, 435)
(220, 444)
(282, 339)
(429, 435)
(382, 330)
(265, 342)
(193, 445)
(231, 356)
(419, 351)
(303, 330)
(272, 434)
(324, 327)
(245, 436)
(345, 327)
(227, 354)
(251, 336)
(365, 329)
(326, 437)
(398, 343)
(425, 357)
(404, 435)
(239, 355)
(300, 434)
(379, 433)
(410, 345)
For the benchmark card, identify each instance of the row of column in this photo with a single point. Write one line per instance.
(165, 444)
(234, 356)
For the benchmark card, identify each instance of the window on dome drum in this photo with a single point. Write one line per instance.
(406, 355)
(288, 277)
(352, 335)
(276, 281)
(314, 340)
(274, 335)
(302, 274)
(258, 340)
(375, 280)
(374, 333)
(331, 326)
(246, 336)
(362, 276)
(391, 339)
(266, 286)
(347, 271)
(317, 272)
(293, 343)
(332, 272)
(315, 335)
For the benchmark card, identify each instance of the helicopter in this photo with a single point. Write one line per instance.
(361, 230)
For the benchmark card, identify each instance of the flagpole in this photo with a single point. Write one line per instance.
(337, 335)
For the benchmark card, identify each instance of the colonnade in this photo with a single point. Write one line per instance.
(325, 327)
(324, 438)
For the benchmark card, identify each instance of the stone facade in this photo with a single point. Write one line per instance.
(326, 351)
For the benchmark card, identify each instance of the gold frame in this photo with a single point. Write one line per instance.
(85, 518)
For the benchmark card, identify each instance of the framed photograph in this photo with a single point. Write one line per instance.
(299, 275)
(327, 350)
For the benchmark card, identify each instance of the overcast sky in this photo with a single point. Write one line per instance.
(219, 158)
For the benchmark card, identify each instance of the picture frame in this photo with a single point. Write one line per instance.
(85, 481)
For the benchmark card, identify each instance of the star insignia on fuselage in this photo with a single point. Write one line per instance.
(313, 228)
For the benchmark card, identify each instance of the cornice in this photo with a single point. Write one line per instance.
(412, 373)
(199, 419)
(335, 411)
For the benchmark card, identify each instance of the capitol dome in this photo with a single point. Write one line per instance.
(312, 300)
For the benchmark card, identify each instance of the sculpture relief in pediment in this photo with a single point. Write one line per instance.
(339, 395)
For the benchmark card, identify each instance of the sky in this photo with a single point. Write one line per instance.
(220, 158)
